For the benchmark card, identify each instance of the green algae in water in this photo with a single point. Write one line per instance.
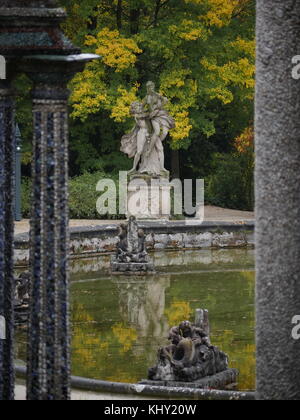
(120, 322)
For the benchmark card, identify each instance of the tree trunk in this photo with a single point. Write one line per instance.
(119, 14)
(277, 200)
(93, 21)
(156, 13)
(134, 21)
(175, 164)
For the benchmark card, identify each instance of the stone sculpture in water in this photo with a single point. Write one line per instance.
(191, 358)
(131, 255)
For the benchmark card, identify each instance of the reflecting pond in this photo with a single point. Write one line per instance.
(119, 322)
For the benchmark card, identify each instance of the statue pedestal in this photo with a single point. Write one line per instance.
(228, 379)
(149, 196)
(131, 268)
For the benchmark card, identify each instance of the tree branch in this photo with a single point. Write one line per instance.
(119, 14)
(242, 8)
(159, 6)
(156, 12)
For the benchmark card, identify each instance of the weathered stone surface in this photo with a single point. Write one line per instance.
(131, 255)
(203, 240)
(145, 142)
(149, 197)
(175, 240)
(190, 356)
(222, 380)
(168, 235)
(93, 245)
(228, 239)
(117, 267)
(277, 199)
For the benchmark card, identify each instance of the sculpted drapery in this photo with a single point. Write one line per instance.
(145, 142)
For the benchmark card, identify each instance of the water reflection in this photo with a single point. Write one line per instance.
(119, 322)
(125, 341)
(142, 303)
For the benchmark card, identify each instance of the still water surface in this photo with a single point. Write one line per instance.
(120, 322)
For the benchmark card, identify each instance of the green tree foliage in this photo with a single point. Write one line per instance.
(82, 197)
(199, 52)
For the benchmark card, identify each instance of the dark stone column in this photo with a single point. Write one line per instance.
(48, 355)
(277, 199)
(7, 170)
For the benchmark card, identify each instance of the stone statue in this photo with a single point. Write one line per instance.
(21, 301)
(131, 255)
(22, 289)
(145, 142)
(189, 357)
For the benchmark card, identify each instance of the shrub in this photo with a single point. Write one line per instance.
(82, 199)
(83, 196)
(26, 197)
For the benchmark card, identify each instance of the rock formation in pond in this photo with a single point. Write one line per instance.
(189, 358)
(131, 255)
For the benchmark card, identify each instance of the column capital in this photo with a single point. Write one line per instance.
(52, 73)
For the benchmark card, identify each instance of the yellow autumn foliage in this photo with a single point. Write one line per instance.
(126, 336)
(116, 51)
(244, 45)
(189, 30)
(181, 52)
(245, 142)
(120, 110)
(182, 92)
(178, 311)
(220, 12)
(89, 94)
(240, 72)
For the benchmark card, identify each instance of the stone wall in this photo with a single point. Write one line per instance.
(160, 236)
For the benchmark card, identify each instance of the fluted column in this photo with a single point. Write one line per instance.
(48, 355)
(7, 170)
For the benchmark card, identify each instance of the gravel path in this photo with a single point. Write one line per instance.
(212, 214)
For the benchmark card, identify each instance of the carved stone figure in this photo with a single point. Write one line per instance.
(189, 357)
(145, 142)
(21, 303)
(134, 144)
(22, 289)
(131, 255)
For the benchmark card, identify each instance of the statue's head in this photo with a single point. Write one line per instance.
(150, 87)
